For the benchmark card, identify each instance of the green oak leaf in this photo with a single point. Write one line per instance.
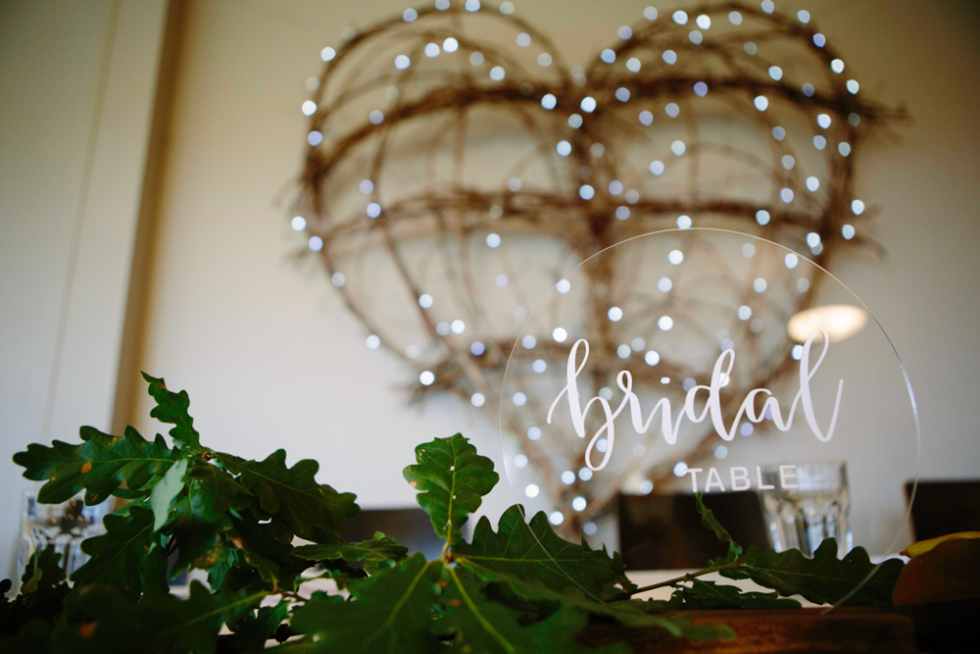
(710, 522)
(99, 464)
(201, 516)
(171, 409)
(709, 595)
(532, 552)
(824, 579)
(234, 573)
(42, 593)
(536, 602)
(102, 621)
(212, 492)
(452, 479)
(259, 548)
(379, 549)
(255, 629)
(42, 572)
(165, 491)
(218, 573)
(200, 543)
(127, 494)
(29, 638)
(479, 625)
(153, 571)
(118, 554)
(344, 574)
(389, 612)
(311, 509)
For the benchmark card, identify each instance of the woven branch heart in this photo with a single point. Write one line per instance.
(457, 166)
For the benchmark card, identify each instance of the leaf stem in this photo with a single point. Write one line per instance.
(674, 581)
(296, 597)
(479, 616)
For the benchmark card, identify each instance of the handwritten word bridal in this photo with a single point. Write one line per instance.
(669, 427)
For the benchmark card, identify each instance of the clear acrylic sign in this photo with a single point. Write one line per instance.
(710, 361)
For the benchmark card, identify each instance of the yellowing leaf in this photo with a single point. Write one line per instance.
(949, 572)
(923, 546)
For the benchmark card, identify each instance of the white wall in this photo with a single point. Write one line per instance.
(272, 359)
(76, 92)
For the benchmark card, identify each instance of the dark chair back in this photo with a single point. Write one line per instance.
(944, 507)
(664, 532)
(409, 527)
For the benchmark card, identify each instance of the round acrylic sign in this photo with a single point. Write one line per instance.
(710, 361)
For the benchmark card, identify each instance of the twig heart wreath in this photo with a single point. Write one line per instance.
(450, 180)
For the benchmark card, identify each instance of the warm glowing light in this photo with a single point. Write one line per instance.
(840, 321)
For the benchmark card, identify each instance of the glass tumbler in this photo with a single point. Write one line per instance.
(804, 504)
(59, 527)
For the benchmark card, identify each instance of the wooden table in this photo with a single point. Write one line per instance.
(812, 630)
